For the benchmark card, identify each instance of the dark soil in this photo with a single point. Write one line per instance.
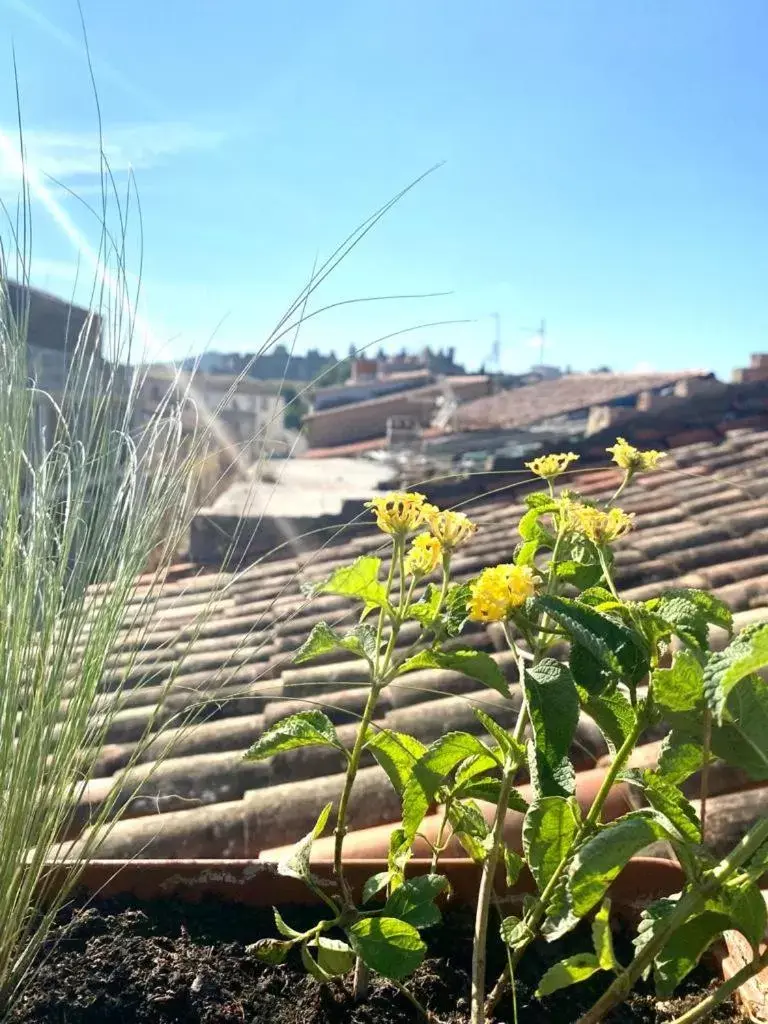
(122, 962)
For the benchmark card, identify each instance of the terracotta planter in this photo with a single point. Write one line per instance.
(257, 884)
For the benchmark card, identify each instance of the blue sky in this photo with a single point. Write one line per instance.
(605, 167)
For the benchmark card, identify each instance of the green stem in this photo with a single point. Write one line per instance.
(703, 1009)
(688, 905)
(488, 875)
(620, 489)
(437, 849)
(349, 780)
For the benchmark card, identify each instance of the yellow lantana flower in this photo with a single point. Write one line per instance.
(424, 555)
(399, 512)
(598, 526)
(550, 466)
(450, 528)
(500, 589)
(631, 459)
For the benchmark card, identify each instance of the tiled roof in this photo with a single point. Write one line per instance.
(572, 393)
(702, 522)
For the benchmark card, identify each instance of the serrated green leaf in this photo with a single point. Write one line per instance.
(681, 687)
(664, 796)
(525, 554)
(490, 791)
(478, 764)
(359, 580)
(270, 951)
(305, 729)
(553, 706)
(425, 610)
(397, 753)
(513, 865)
(541, 500)
(610, 642)
(690, 612)
(295, 864)
(549, 831)
(601, 858)
(531, 529)
(741, 899)
(612, 713)
(515, 933)
(334, 956)
(602, 938)
(652, 918)
(740, 740)
(474, 664)
(679, 757)
(400, 852)
(323, 639)
(508, 745)
(559, 779)
(312, 967)
(285, 929)
(375, 884)
(414, 900)
(685, 948)
(393, 948)
(430, 772)
(456, 601)
(579, 563)
(570, 971)
(598, 597)
(746, 654)
(470, 828)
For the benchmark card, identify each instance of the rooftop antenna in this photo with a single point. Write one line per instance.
(494, 360)
(539, 338)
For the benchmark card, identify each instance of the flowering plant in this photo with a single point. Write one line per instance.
(578, 649)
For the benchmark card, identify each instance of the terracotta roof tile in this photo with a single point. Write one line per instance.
(220, 678)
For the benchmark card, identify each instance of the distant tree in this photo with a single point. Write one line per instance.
(602, 369)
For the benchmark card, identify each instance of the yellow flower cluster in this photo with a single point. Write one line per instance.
(402, 512)
(500, 589)
(450, 528)
(598, 526)
(550, 466)
(629, 458)
(424, 555)
(399, 512)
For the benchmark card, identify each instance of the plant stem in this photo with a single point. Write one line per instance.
(704, 787)
(702, 1010)
(688, 905)
(349, 780)
(488, 876)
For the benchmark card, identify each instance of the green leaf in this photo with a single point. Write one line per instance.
(741, 899)
(747, 653)
(685, 948)
(470, 828)
(270, 951)
(758, 864)
(475, 664)
(456, 601)
(602, 938)
(490, 791)
(393, 948)
(285, 929)
(400, 852)
(323, 639)
(681, 687)
(570, 971)
(397, 753)
(431, 770)
(334, 956)
(515, 933)
(549, 831)
(664, 796)
(414, 900)
(740, 740)
(558, 779)
(375, 884)
(652, 919)
(553, 705)
(360, 580)
(513, 865)
(531, 529)
(601, 858)
(680, 758)
(468, 771)
(525, 554)
(425, 610)
(312, 967)
(690, 612)
(597, 597)
(615, 646)
(612, 713)
(305, 729)
(541, 500)
(508, 745)
(295, 864)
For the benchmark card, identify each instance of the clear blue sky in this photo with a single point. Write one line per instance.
(606, 166)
